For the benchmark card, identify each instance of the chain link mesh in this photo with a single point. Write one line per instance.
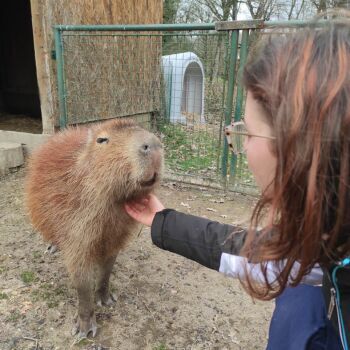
(172, 82)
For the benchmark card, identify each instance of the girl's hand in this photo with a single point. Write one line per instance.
(145, 209)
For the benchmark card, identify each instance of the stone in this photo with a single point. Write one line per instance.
(11, 156)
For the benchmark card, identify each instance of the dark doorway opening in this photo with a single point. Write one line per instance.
(19, 93)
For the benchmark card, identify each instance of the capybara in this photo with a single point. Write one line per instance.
(76, 185)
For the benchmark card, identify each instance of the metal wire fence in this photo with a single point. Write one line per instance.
(179, 80)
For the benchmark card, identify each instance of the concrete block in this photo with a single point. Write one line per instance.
(11, 156)
(27, 140)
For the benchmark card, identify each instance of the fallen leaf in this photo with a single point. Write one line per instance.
(27, 305)
(211, 209)
(217, 200)
(185, 205)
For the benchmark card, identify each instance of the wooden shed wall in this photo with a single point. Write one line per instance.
(46, 13)
(111, 75)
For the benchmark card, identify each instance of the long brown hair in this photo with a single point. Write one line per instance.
(302, 80)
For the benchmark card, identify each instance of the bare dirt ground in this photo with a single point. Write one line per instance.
(164, 301)
(20, 122)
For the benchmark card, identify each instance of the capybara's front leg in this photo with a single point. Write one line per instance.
(103, 295)
(86, 321)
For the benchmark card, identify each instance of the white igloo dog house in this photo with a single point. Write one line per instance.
(184, 87)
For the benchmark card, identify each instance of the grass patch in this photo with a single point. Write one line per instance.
(37, 255)
(83, 342)
(14, 317)
(27, 276)
(50, 294)
(241, 173)
(188, 150)
(160, 347)
(3, 296)
(197, 152)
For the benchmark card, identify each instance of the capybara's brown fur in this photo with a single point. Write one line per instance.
(76, 187)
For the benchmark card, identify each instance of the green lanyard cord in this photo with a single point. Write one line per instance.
(343, 263)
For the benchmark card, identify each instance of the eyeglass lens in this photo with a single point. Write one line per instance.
(238, 136)
(235, 134)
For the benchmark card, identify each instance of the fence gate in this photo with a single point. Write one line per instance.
(178, 80)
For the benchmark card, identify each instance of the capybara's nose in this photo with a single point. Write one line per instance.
(145, 148)
(150, 146)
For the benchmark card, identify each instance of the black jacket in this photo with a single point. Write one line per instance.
(204, 241)
(196, 238)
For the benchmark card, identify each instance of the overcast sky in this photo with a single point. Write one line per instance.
(308, 12)
(243, 12)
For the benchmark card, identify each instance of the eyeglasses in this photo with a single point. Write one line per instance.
(236, 133)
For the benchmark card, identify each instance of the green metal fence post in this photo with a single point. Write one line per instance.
(229, 98)
(243, 52)
(60, 78)
(169, 94)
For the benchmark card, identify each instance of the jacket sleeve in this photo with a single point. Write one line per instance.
(214, 245)
(196, 238)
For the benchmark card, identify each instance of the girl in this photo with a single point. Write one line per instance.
(297, 142)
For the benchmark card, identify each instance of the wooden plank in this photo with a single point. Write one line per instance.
(259, 24)
(43, 67)
(234, 25)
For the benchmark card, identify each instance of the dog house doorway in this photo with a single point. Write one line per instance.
(192, 90)
(19, 93)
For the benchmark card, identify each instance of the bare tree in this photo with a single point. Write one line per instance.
(296, 10)
(342, 3)
(275, 9)
(170, 8)
(222, 10)
(227, 10)
(323, 5)
(212, 10)
(192, 11)
(261, 9)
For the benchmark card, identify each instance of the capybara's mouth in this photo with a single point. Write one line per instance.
(150, 182)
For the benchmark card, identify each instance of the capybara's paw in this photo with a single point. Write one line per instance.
(84, 327)
(108, 299)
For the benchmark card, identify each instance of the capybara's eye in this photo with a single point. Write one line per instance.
(102, 140)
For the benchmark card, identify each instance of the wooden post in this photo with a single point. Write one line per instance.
(42, 60)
